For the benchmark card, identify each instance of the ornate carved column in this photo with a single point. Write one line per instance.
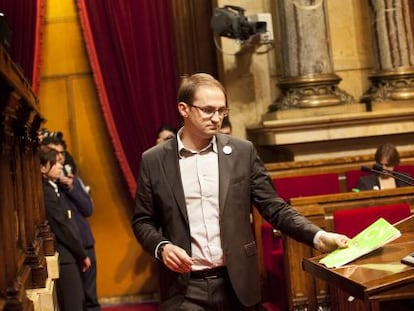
(392, 36)
(308, 78)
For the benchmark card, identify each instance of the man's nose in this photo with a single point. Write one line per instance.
(216, 116)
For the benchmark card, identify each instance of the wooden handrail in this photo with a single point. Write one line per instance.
(339, 165)
(346, 196)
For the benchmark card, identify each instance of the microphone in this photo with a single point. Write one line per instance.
(366, 169)
(376, 168)
(379, 167)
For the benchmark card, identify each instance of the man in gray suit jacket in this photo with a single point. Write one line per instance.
(193, 204)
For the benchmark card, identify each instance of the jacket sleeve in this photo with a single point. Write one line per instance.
(60, 224)
(273, 208)
(145, 221)
(367, 182)
(80, 198)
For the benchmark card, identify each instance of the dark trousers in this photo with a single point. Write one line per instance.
(212, 294)
(89, 282)
(69, 288)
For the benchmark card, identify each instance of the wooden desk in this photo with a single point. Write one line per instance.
(303, 289)
(378, 280)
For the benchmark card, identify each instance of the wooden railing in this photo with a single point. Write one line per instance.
(25, 236)
(339, 165)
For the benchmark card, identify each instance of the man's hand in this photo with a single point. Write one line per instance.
(176, 258)
(86, 264)
(329, 241)
(67, 181)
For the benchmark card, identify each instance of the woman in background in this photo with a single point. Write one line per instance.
(72, 258)
(387, 158)
(165, 132)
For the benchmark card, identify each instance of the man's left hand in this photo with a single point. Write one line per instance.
(329, 241)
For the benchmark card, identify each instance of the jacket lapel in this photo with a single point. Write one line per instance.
(173, 175)
(226, 166)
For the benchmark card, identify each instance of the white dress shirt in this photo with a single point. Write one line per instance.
(200, 177)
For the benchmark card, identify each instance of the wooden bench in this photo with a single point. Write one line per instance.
(334, 165)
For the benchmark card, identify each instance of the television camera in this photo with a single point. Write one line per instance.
(230, 21)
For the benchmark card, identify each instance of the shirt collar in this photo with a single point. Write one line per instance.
(212, 144)
(54, 185)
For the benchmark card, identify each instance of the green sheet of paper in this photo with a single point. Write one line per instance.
(374, 236)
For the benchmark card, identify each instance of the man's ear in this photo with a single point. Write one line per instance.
(183, 109)
(42, 169)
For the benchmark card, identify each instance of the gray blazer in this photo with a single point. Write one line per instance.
(243, 183)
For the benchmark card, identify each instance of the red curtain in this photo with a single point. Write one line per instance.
(131, 51)
(25, 19)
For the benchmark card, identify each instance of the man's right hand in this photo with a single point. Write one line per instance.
(67, 181)
(86, 264)
(176, 258)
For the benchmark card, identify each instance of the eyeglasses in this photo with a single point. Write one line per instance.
(209, 111)
(61, 152)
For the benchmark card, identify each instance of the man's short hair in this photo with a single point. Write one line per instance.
(190, 84)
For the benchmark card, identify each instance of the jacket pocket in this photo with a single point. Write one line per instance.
(250, 248)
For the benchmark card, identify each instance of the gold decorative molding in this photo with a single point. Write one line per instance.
(391, 85)
(331, 132)
(310, 91)
(332, 127)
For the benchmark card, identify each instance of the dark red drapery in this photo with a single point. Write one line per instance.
(25, 19)
(131, 51)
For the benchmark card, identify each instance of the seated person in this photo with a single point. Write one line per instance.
(165, 132)
(388, 158)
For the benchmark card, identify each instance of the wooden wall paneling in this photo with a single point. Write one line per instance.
(30, 216)
(43, 229)
(8, 268)
(35, 256)
(16, 275)
(9, 190)
(21, 248)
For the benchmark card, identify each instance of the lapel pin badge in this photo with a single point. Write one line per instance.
(227, 150)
